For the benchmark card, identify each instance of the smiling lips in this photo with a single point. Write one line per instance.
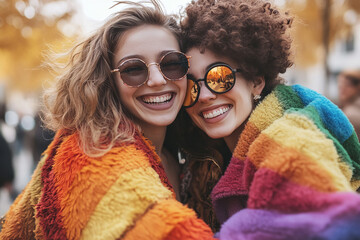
(161, 99)
(215, 112)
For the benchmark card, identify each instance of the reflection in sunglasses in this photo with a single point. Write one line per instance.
(220, 78)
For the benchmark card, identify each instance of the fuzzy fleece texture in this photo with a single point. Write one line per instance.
(294, 172)
(124, 194)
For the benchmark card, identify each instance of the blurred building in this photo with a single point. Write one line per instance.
(344, 54)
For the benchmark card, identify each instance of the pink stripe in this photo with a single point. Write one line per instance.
(269, 190)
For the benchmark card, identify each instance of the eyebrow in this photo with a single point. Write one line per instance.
(211, 64)
(162, 53)
(207, 68)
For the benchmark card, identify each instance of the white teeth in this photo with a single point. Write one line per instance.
(157, 99)
(216, 112)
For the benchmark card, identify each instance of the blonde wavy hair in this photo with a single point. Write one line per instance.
(85, 99)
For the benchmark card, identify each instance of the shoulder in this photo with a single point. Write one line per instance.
(122, 183)
(68, 155)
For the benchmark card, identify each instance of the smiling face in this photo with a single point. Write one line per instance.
(220, 115)
(157, 102)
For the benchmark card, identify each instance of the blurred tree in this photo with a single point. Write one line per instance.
(317, 25)
(27, 28)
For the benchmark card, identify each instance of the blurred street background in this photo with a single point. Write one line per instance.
(326, 41)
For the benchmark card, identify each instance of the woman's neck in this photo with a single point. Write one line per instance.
(233, 138)
(156, 134)
(172, 169)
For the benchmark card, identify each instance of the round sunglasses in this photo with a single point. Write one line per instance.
(219, 78)
(134, 72)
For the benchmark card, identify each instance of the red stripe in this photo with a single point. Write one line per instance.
(48, 208)
(235, 182)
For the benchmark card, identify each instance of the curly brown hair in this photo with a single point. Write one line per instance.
(253, 33)
(85, 98)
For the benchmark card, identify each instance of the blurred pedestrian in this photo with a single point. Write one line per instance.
(7, 173)
(349, 96)
(42, 137)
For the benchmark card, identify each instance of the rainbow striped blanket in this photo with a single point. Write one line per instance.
(294, 172)
(124, 194)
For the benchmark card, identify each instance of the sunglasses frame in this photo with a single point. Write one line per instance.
(196, 82)
(152, 63)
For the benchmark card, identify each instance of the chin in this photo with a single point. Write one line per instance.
(216, 135)
(162, 122)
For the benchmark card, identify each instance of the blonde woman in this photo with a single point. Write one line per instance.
(107, 174)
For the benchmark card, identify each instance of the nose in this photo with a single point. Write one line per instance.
(155, 76)
(205, 94)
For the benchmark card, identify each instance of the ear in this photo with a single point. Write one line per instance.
(258, 85)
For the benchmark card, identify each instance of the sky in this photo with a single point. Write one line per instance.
(94, 12)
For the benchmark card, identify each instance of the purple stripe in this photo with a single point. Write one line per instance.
(335, 221)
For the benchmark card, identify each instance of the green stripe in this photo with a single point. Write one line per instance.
(288, 98)
(353, 147)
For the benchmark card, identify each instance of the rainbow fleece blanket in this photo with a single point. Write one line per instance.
(124, 194)
(293, 173)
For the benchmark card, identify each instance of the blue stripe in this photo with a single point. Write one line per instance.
(332, 117)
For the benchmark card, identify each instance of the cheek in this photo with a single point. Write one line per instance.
(347, 91)
(182, 85)
(119, 86)
(125, 93)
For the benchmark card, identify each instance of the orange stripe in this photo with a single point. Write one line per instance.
(80, 177)
(295, 166)
(191, 229)
(159, 221)
(246, 138)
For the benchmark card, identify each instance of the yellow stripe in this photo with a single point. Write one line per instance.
(355, 185)
(80, 177)
(267, 112)
(127, 200)
(301, 134)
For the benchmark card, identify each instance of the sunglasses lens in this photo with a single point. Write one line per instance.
(133, 72)
(220, 79)
(191, 93)
(174, 65)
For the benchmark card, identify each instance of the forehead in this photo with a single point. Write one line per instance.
(146, 41)
(200, 62)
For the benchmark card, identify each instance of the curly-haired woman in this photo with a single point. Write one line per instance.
(102, 177)
(296, 158)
